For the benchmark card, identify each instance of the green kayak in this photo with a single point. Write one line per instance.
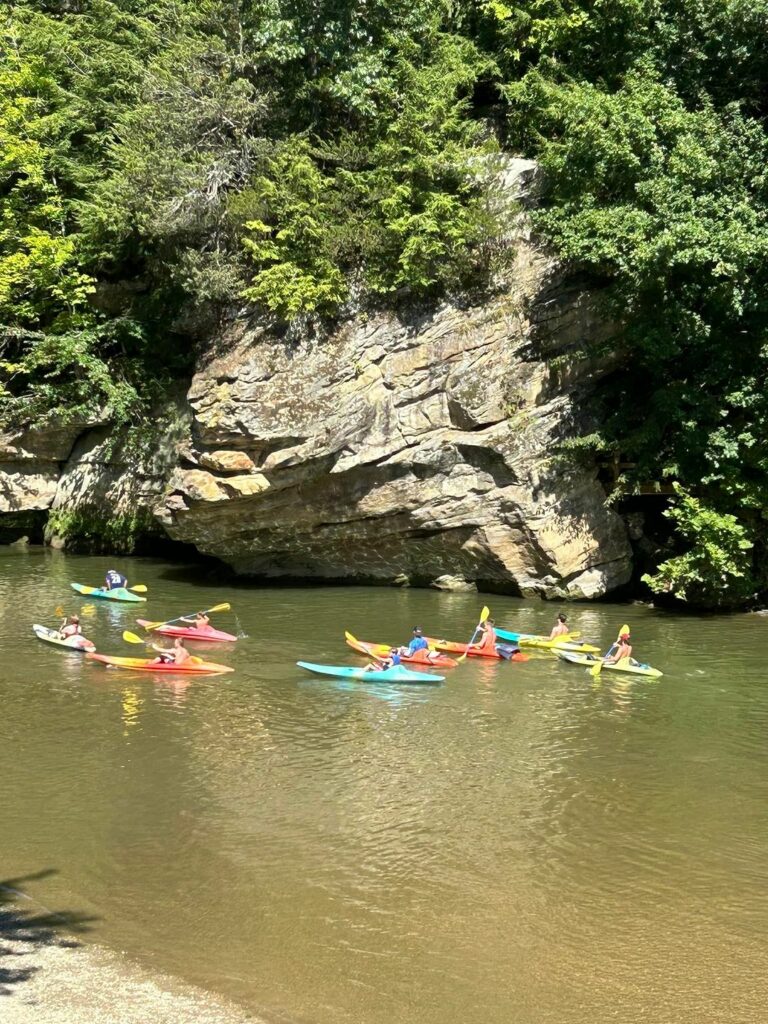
(118, 594)
(627, 665)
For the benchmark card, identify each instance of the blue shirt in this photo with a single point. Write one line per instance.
(417, 644)
(114, 579)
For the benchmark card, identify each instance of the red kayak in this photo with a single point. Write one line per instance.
(207, 635)
(194, 666)
(473, 652)
(382, 650)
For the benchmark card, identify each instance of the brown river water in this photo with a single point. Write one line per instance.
(521, 844)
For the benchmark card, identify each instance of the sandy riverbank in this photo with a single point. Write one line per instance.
(51, 978)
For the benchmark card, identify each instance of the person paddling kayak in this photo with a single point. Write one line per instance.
(391, 660)
(115, 580)
(487, 642)
(199, 621)
(418, 643)
(560, 627)
(177, 654)
(70, 626)
(623, 650)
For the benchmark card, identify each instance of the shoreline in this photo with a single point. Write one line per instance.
(49, 976)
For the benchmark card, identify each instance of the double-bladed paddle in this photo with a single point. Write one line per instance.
(216, 608)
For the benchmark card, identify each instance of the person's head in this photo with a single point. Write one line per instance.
(624, 638)
(74, 619)
(201, 615)
(393, 651)
(178, 642)
(417, 631)
(562, 618)
(489, 622)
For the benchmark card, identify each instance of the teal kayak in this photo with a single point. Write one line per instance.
(396, 674)
(119, 594)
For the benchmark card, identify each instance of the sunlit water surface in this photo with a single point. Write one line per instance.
(522, 844)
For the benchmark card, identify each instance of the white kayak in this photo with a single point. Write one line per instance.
(72, 643)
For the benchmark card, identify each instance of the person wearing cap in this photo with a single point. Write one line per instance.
(70, 626)
(418, 642)
(623, 650)
(560, 627)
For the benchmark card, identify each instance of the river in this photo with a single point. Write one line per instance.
(522, 843)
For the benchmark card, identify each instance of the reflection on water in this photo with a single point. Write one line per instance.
(523, 843)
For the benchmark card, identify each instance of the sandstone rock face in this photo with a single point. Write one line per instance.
(419, 446)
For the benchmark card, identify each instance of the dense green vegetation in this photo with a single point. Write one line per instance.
(166, 162)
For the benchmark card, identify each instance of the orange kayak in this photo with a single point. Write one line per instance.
(194, 666)
(473, 652)
(382, 650)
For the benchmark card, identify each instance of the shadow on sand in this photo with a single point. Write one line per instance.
(25, 925)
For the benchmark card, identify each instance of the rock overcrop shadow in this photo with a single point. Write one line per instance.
(26, 926)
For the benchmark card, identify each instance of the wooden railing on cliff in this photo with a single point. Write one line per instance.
(612, 467)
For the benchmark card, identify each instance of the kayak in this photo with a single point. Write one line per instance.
(560, 645)
(396, 674)
(72, 643)
(118, 594)
(456, 648)
(195, 666)
(208, 634)
(382, 650)
(515, 638)
(628, 665)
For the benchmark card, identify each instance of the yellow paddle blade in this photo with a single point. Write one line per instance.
(58, 611)
(596, 669)
(131, 638)
(88, 609)
(485, 613)
(139, 588)
(624, 629)
(349, 638)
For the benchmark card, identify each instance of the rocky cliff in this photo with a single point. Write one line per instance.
(420, 447)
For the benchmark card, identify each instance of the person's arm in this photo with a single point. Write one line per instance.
(186, 619)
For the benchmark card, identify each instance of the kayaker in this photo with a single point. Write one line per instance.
(623, 650)
(199, 621)
(560, 627)
(418, 642)
(115, 580)
(487, 641)
(70, 627)
(391, 660)
(176, 655)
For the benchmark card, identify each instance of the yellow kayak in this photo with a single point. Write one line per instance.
(625, 665)
(558, 644)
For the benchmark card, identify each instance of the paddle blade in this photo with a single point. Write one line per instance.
(624, 629)
(485, 613)
(220, 607)
(131, 638)
(139, 588)
(58, 611)
(596, 670)
(88, 609)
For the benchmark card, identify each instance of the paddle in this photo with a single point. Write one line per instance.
(597, 669)
(139, 588)
(483, 616)
(216, 608)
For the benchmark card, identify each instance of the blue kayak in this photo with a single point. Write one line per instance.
(396, 674)
(514, 638)
(118, 594)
